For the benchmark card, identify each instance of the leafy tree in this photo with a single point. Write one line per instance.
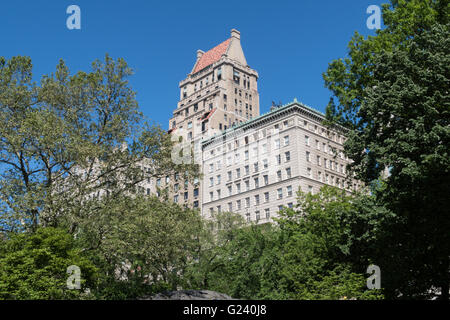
(70, 138)
(141, 245)
(320, 250)
(392, 91)
(323, 240)
(34, 266)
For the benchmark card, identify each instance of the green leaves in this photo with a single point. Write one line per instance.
(33, 266)
(394, 90)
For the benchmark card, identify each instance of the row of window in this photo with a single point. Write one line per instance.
(257, 198)
(324, 132)
(257, 214)
(255, 153)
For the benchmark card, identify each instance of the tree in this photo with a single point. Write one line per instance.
(141, 245)
(324, 235)
(34, 266)
(70, 138)
(393, 92)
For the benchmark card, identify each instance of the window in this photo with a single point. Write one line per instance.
(238, 173)
(307, 140)
(255, 167)
(196, 192)
(186, 195)
(247, 202)
(211, 196)
(279, 175)
(309, 172)
(266, 197)
(286, 140)
(266, 180)
(317, 144)
(236, 77)
(280, 193)
(277, 143)
(267, 211)
(196, 204)
(230, 190)
(257, 199)
(257, 215)
(211, 167)
(290, 205)
(318, 160)
(247, 170)
(307, 156)
(230, 206)
(246, 154)
(189, 125)
(278, 159)
(218, 194)
(247, 185)
(211, 182)
(218, 179)
(319, 176)
(310, 189)
(265, 164)
(238, 204)
(288, 172)
(288, 156)
(175, 198)
(229, 175)
(238, 188)
(289, 191)
(256, 180)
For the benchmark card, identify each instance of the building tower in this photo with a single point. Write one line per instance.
(220, 92)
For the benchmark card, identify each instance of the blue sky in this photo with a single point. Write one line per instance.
(289, 43)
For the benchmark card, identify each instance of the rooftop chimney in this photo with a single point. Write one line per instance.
(235, 34)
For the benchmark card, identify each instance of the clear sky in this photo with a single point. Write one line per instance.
(289, 43)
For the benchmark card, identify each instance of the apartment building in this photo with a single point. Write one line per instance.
(257, 167)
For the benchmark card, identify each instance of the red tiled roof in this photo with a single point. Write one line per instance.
(212, 55)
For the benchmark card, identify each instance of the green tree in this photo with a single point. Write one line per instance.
(34, 266)
(324, 235)
(392, 91)
(141, 245)
(70, 138)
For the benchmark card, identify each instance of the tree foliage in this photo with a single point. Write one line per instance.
(34, 266)
(393, 92)
(70, 138)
